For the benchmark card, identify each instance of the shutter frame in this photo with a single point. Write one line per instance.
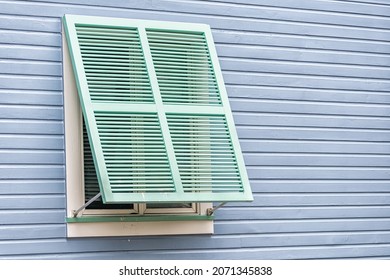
(163, 110)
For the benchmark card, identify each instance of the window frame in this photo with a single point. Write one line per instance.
(111, 222)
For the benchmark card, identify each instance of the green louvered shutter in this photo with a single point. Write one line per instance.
(156, 111)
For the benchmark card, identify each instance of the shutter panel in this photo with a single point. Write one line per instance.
(183, 67)
(156, 111)
(204, 153)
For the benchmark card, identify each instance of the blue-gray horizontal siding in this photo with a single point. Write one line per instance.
(308, 82)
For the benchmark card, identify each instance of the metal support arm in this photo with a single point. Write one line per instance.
(76, 212)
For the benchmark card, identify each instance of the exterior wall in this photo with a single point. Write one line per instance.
(308, 82)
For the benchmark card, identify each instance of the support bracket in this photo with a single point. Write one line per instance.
(76, 212)
(210, 211)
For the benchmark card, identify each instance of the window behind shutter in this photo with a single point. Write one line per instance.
(156, 111)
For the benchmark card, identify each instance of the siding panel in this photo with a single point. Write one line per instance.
(308, 82)
(31, 126)
(34, 217)
(31, 231)
(30, 97)
(30, 52)
(305, 212)
(30, 67)
(310, 146)
(41, 201)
